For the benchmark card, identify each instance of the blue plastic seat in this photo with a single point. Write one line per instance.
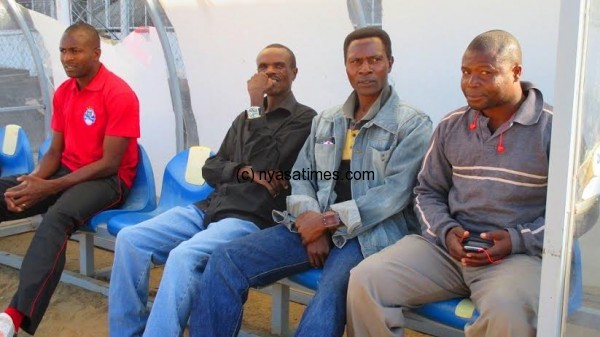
(309, 279)
(44, 148)
(15, 151)
(141, 197)
(182, 185)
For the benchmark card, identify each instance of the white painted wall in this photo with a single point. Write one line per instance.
(220, 39)
(431, 36)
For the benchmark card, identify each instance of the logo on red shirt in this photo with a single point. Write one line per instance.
(89, 116)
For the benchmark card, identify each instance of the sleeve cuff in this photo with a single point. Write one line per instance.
(441, 239)
(230, 171)
(298, 204)
(349, 214)
(518, 246)
(284, 218)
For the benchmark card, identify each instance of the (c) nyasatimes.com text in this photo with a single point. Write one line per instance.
(304, 174)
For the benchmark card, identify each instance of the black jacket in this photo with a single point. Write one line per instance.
(270, 142)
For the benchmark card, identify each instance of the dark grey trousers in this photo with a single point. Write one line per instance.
(45, 258)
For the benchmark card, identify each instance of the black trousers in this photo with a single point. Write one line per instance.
(45, 258)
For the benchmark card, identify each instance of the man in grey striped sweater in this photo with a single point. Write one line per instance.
(481, 199)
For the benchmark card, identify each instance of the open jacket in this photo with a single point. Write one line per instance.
(390, 148)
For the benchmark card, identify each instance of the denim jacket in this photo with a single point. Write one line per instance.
(391, 146)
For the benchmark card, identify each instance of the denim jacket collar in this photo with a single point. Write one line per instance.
(349, 107)
(388, 122)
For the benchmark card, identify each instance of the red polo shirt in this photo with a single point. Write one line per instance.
(106, 106)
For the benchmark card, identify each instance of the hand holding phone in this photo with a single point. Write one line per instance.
(475, 243)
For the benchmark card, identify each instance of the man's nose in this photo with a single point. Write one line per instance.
(473, 80)
(365, 67)
(270, 70)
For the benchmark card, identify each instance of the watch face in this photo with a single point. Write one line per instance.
(331, 219)
(253, 112)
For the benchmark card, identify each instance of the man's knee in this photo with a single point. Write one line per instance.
(57, 220)
(186, 258)
(363, 279)
(220, 258)
(126, 237)
(506, 318)
(504, 306)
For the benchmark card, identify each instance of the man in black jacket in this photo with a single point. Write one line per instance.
(248, 176)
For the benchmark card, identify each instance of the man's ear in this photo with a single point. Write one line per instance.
(517, 70)
(295, 71)
(391, 63)
(98, 52)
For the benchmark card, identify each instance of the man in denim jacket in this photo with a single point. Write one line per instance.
(351, 197)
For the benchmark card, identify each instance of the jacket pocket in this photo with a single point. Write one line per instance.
(376, 163)
(324, 157)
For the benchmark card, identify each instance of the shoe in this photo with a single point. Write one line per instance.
(7, 328)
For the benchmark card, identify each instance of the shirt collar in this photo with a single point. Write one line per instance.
(349, 106)
(531, 108)
(97, 83)
(287, 104)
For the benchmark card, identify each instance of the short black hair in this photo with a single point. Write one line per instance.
(503, 43)
(279, 45)
(87, 29)
(366, 32)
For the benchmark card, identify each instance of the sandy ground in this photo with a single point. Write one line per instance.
(75, 312)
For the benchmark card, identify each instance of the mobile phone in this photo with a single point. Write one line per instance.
(476, 244)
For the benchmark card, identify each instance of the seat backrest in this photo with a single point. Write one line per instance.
(142, 196)
(15, 151)
(576, 283)
(182, 181)
(44, 148)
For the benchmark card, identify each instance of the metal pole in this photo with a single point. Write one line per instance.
(174, 87)
(125, 24)
(107, 22)
(361, 21)
(63, 12)
(45, 87)
(89, 12)
(558, 236)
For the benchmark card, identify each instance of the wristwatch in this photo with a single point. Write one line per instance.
(331, 220)
(253, 112)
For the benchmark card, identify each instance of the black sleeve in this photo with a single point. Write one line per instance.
(220, 168)
(278, 150)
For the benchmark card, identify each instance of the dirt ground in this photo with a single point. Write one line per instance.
(75, 312)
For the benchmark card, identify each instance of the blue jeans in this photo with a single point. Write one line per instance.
(258, 260)
(178, 239)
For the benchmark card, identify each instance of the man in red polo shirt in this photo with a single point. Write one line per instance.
(89, 167)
